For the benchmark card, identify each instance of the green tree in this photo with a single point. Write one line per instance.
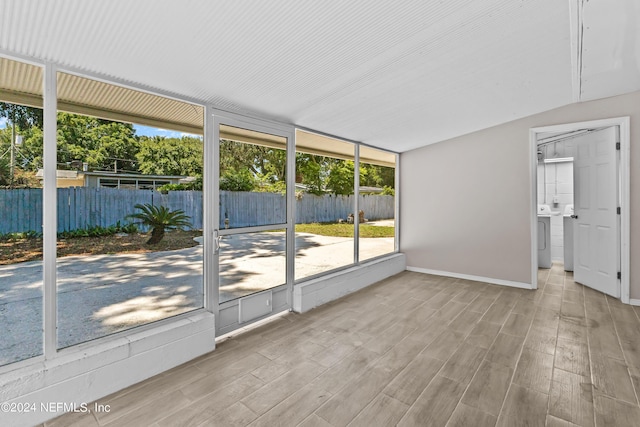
(20, 118)
(312, 171)
(103, 144)
(5, 145)
(377, 176)
(341, 177)
(267, 165)
(30, 157)
(170, 156)
(233, 180)
(20, 115)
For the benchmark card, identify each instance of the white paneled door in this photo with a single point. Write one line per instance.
(596, 221)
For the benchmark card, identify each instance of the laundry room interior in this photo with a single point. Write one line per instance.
(555, 200)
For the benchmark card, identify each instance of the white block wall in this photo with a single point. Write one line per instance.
(89, 372)
(316, 292)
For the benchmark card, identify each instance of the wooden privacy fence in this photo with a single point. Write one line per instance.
(81, 207)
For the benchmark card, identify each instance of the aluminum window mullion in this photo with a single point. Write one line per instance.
(50, 214)
(356, 205)
(396, 219)
(210, 216)
(290, 253)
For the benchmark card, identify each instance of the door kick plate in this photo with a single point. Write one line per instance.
(254, 306)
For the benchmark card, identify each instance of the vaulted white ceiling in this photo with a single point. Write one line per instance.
(392, 74)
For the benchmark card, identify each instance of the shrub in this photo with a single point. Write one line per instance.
(195, 185)
(98, 231)
(388, 191)
(233, 180)
(159, 219)
(20, 235)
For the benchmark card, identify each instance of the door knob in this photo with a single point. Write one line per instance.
(574, 216)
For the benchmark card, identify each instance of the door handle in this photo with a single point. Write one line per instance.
(216, 240)
(574, 216)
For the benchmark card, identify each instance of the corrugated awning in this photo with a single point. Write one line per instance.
(93, 98)
(21, 83)
(313, 143)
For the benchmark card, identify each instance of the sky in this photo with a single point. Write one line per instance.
(151, 131)
(140, 130)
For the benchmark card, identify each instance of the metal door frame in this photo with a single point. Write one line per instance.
(211, 191)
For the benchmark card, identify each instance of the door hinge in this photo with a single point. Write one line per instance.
(619, 275)
(619, 210)
(617, 146)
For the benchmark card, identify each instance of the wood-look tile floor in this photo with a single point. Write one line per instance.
(412, 350)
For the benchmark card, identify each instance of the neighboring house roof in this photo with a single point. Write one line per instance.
(366, 189)
(60, 174)
(106, 174)
(73, 174)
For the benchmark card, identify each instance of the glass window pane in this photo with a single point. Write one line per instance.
(253, 181)
(324, 204)
(128, 184)
(117, 267)
(110, 183)
(20, 211)
(251, 262)
(377, 203)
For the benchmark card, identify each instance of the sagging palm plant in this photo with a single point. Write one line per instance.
(160, 219)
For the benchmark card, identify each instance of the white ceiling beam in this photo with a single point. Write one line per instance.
(576, 34)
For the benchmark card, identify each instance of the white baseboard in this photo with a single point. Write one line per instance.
(315, 292)
(634, 302)
(493, 281)
(86, 374)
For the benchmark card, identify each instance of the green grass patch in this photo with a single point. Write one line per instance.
(344, 230)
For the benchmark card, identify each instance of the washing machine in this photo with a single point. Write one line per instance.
(567, 231)
(544, 236)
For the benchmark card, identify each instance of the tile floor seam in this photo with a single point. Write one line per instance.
(584, 309)
(500, 413)
(624, 354)
(591, 378)
(389, 382)
(370, 364)
(474, 374)
(369, 404)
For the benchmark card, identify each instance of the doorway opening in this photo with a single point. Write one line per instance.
(580, 199)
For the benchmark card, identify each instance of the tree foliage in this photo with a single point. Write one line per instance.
(237, 180)
(114, 146)
(267, 165)
(170, 156)
(21, 116)
(311, 171)
(103, 144)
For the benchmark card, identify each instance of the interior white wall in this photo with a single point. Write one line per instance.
(466, 210)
